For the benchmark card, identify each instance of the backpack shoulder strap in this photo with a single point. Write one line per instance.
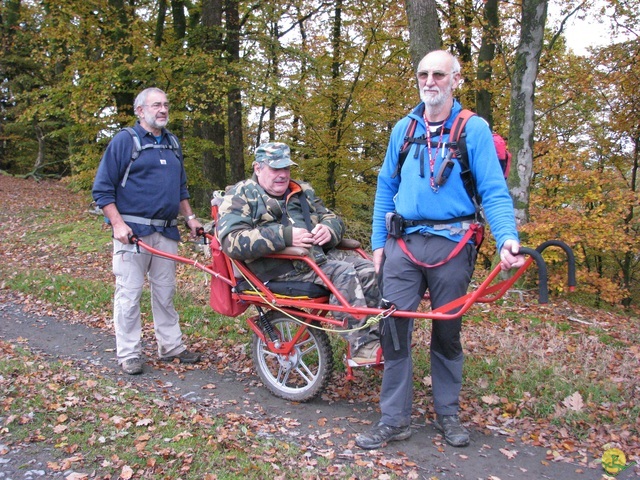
(457, 129)
(137, 148)
(458, 143)
(135, 153)
(175, 145)
(404, 150)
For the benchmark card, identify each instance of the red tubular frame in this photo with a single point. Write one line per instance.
(317, 309)
(314, 311)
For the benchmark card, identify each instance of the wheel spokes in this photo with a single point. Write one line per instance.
(300, 372)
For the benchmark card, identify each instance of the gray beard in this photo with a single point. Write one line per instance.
(434, 107)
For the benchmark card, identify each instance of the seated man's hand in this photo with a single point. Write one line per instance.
(321, 234)
(302, 238)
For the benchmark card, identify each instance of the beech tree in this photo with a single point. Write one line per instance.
(424, 29)
(523, 85)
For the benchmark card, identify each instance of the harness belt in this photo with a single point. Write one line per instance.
(156, 222)
(475, 233)
(441, 224)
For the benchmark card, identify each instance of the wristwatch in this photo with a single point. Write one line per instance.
(191, 217)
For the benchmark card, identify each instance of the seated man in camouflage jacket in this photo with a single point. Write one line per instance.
(269, 211)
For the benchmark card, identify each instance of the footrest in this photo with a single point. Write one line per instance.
(352, 363)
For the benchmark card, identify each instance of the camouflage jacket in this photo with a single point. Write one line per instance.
(250, 224)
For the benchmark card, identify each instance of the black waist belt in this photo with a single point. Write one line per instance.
(156, 222)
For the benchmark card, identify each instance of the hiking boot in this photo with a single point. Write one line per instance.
(382, 434)
(368, 353)
(185, 357)
(454, 433)
(132, 366)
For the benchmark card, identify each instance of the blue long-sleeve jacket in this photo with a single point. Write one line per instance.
(155, 185)
(411, 195)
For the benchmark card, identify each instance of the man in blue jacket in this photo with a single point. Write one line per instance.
(143, 196)
(428, 218)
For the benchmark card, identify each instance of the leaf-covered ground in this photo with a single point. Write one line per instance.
(590, 358)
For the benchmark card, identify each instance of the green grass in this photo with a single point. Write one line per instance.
(63, 289)
(74, 234)
(547, 381)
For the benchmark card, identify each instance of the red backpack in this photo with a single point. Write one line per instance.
(221, 297)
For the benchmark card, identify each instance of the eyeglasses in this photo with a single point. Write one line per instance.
(158, 105)
(437, 75)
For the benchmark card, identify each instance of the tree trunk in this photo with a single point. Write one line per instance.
(9, 21)
(486, 56)
(41, 147)
(214, 165)
(234, 99)
(424, 29)
(124, 94)
(521, 131)
(179, 20)
(332, 163)
(162, 13)
(274, 73)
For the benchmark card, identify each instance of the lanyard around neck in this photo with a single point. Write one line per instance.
(432, 158)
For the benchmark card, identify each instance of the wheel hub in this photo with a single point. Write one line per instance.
(288, 362)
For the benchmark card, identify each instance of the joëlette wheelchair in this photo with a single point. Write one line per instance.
(291, 348)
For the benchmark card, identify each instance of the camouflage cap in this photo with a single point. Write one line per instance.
(275, 155)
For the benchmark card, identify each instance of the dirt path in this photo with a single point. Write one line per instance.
(92, 349)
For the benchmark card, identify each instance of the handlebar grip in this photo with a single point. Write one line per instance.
(543, 289)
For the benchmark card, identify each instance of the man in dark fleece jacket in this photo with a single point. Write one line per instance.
(144, 198)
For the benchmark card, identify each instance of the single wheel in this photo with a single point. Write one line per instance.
(305, 372)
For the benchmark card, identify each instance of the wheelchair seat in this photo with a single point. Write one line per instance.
(289, 289)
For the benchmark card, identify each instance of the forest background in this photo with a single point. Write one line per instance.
(330, 78)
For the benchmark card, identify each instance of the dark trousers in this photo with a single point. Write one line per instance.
(404, 284)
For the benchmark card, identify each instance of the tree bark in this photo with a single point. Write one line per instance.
(41, 146)
(425, 33)
(332, 163)
(124, 94)
(234, 99)
(522, 116)
(179, 20)
(9, 20)
(213, 162)
(162, 13)
(486, 56)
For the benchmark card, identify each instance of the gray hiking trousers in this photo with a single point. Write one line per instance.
(404, 284)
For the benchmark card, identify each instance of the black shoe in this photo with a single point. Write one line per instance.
(132, 366)
(454, 433)
(185, 357)
(381, 434)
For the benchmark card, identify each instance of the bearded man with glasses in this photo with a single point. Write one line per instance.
(141, 187)
(416, 210)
